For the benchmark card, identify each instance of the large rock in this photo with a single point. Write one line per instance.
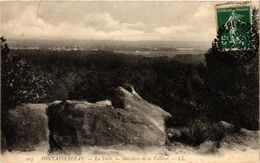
(124, 119)
(26, 126)
(73, 124)
(133, 101)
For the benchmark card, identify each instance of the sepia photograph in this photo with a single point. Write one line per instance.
(129, 81)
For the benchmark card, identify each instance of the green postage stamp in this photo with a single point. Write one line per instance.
(234, 21)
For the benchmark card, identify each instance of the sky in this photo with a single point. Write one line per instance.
(128, 21)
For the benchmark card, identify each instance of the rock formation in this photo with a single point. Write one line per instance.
(27, 126)
(69, 125)
(79, 123)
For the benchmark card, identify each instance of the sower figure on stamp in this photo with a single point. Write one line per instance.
(231, 24)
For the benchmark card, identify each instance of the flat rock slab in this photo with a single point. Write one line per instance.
(78, 123)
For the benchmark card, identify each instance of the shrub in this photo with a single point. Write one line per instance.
(21, 83)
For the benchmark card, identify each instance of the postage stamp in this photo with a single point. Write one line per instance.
(235, 20)
(236, 34)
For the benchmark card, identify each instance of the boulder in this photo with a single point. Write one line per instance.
(208, 147)
(73, 124)
(26, 127)
(131, 100)
(227, 127)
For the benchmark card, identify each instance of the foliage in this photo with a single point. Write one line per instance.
(21, 81)
(233, 90)
(94, 75)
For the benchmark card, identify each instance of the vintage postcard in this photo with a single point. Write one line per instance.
(129, 81)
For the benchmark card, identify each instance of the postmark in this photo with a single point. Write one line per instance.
(237, 40)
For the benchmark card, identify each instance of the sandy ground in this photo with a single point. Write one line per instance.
(175, 154)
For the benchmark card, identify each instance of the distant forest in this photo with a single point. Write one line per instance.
(209, 90)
